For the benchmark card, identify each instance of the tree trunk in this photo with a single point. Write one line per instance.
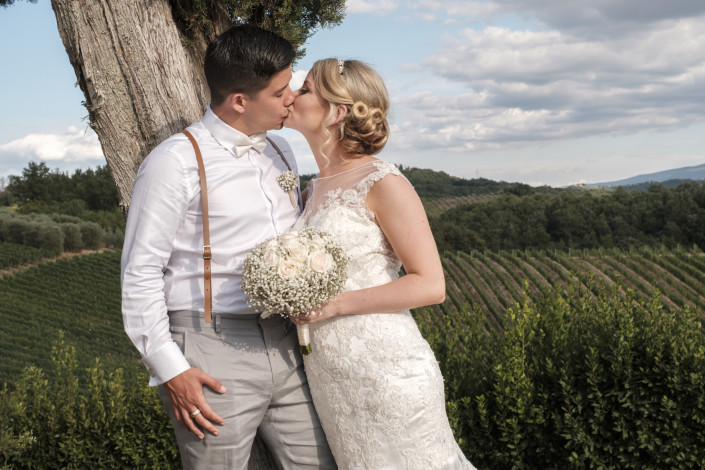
(141, 84)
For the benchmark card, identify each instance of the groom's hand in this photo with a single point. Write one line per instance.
(186, 394)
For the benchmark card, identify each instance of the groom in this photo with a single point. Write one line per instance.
(224, 380)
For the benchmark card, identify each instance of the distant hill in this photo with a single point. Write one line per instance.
(432, 184)
(683, 174)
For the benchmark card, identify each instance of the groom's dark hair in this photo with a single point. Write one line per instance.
(244, 59)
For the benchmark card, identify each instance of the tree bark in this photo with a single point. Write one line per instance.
(140, 83)
(143, 81)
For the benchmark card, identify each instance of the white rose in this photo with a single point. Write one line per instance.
(288, 269)
(272, 244)
(297, 252)
(291, 243)
(287, 238)
(320, 261)
(317, 242)
(271, 257)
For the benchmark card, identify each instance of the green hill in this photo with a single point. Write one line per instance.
(80, 296)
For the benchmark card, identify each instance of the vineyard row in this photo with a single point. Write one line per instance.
(494, 282)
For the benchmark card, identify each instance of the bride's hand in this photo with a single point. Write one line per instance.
(324, 312)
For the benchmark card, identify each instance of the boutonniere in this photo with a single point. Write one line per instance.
(288, 181)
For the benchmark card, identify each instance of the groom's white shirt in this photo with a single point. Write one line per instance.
(162, 263)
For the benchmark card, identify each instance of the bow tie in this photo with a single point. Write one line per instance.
(256, 142)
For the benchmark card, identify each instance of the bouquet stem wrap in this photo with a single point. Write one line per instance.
(304, 339)
(295, 274)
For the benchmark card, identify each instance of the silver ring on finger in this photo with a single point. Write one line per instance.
(195, 413)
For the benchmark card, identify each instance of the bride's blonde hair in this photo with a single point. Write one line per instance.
(364, 130)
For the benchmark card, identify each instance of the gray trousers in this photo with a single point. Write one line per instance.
(258, 362)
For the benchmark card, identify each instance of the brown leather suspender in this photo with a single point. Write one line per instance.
(276, 147)
(207, 291)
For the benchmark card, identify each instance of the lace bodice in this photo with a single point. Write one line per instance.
(337, 205)
(374, 380)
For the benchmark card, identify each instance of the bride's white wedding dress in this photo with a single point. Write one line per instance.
(375, 382)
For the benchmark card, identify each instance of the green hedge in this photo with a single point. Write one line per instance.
(56, 232)
(581, 379)
(589, 379)
(97, 421)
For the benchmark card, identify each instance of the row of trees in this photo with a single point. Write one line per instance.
(520, 217)
(578, 219)
(57, 212)
(55, 233)
(438, 184)
(15, 254)
(40, 185)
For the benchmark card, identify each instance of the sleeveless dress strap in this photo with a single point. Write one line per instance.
(381, 169)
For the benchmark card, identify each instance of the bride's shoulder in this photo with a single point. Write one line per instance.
(378, 169)
(389, 189)
(384, 167)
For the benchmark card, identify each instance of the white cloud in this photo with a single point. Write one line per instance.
(598, 18)
(445, 11)
(595, 18)
(468, 122)
(497, 54)
(371, 6)
(456, 8)
(533, 86)
(73, 146)
(591, 160)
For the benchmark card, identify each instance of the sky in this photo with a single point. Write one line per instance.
(553, 92)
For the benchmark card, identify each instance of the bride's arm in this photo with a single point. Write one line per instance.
(403, 220)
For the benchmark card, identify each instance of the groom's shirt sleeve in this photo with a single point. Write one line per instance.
(159, 202)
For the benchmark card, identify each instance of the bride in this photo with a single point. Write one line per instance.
(374, 380)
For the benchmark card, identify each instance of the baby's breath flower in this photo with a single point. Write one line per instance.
(294, 273)
(288, 181)
(320, 265)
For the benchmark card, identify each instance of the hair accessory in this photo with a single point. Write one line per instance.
(341, 65)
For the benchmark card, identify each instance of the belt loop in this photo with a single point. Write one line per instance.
(218, 323)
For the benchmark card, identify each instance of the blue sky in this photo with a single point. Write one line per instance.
(519, 90)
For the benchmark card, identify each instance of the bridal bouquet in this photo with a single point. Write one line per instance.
(293, 274)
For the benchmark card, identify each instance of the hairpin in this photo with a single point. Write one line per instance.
(341, 65)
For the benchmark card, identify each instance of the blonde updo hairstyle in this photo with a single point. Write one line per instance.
(364, 130)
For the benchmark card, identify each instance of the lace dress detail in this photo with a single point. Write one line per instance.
(375, 382)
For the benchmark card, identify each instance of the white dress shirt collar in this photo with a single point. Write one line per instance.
(225, 134)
